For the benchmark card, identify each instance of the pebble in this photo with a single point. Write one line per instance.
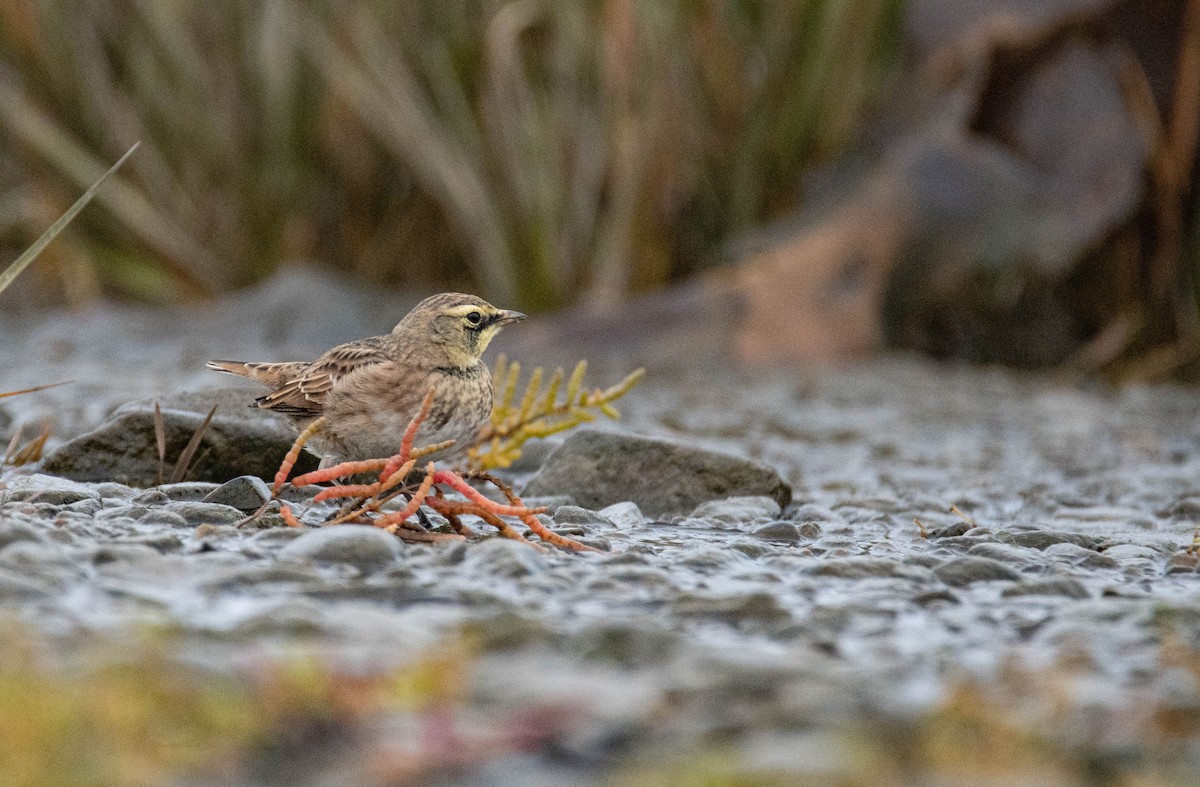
(365, 547)
(969, 570)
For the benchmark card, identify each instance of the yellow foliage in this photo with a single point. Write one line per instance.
(539, 412)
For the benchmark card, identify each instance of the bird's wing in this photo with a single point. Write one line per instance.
(304, 394)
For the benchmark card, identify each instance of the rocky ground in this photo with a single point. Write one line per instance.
(978, 575)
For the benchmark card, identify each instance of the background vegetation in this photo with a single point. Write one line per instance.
(538, 152)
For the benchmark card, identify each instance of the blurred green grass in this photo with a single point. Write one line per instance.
(537, 152)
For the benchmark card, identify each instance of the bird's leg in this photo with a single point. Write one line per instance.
(293, 454)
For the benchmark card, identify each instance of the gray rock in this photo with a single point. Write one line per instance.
(574, 515)
(1080, 556)
(738, 609)
(241, 440)
(624, 515)
(245, 493)
(782, 532)
(1008, 553)
(661, 476)
(855, 568)
(187, 491)
(1040, 539)
(1058, 586)
(205, 513)
(504, 557)
(47, 489)
(16, 587)
(160, 517)
(968, 570)
(14, 532)
(363, 546)
(738, 509)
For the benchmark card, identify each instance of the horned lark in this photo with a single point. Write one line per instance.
(369, 390)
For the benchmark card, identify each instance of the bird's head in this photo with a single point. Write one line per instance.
(457, 325)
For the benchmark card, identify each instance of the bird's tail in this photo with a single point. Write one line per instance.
(271, 374)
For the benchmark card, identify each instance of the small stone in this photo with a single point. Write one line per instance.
(624, 515)
(159, 542)
(47, 489)
(968, 570)
(151, 497)
(1008, 553)
(661, 476)
(13, 532)
(15, 587)
(1041, 539)
(781, 532)
(363, 546)
(1182, 563)
(110, 490)
(504, 557)
(206, 513)
(574, 515)
(951, 530)
(550, 502)
(188, 491)
(1058, 586)
(1080, 556)
(855, 568)
(160, 517)
(245, 493)
(738, 509)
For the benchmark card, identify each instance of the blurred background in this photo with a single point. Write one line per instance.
(989, 180)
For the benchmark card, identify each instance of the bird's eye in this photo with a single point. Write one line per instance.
(474, 318)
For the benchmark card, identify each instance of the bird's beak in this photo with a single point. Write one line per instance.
(505, 316)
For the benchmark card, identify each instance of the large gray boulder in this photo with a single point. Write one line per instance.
(240, 440)
(662, 477)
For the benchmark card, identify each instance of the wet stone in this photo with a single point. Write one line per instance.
(162, 518)
(46, 489)
(1058, 586)
(855, 568)
(663, 477)
(187, 491)
(245, 493)
(574, 515)
(206, 513)
(1182, 563)
(151, 497)
(159, 542)
(362, 546)
(15, 586)
(1041, 539)
(1080, 556)
(969, 570)
(753, 608)
(88, 506)
(1007, 553)
(781, 532)
(738, 509)
(109, 489)
(503, 557)
(13, 532)
(624, 515)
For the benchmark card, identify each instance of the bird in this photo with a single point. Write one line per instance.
(370, 389)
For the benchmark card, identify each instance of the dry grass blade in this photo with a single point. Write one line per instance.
(10, 452)
(189, 450)
(30, 452)
(160, 442)
(32, 390)
(39, 245)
